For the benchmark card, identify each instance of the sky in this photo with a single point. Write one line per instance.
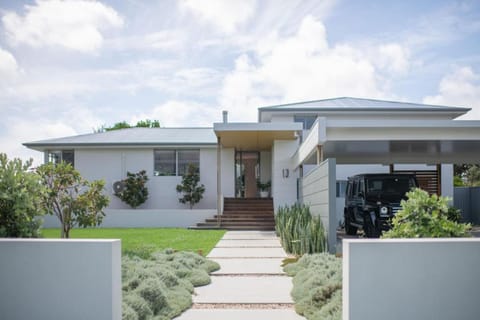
(69, 67)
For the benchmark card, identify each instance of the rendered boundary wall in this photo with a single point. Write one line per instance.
(60, 279)
(467, 199)
(318, 192)
(411, 279)
(145, 218)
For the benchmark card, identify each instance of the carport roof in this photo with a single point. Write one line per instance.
(394, 141)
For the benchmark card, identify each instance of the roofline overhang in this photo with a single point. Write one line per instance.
(46, 146)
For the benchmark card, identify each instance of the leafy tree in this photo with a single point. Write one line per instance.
(424, 216)
(192, 192)
(74, 200)
(20, 199)
(467, 175)
(135, 191)
(125, 125)
(148, 124)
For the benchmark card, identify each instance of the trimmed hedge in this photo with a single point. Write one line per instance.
(161, 288)
(317, 286)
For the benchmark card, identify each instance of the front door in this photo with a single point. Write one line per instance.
(247, 171)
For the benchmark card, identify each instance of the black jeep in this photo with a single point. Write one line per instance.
(372, 200)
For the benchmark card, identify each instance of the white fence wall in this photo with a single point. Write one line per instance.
(318, 192)
(60, 279)
(144, 218)
(411, 279)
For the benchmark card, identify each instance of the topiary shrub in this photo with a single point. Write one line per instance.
(317, 286)
(135, 191)
(299, 232)
(192, 192)
(425, 216)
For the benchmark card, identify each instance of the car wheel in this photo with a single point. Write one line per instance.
(368, 227)
(349, 229)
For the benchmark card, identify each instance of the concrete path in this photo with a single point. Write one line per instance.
(250, 283)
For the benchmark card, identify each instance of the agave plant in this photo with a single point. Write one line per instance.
(299, 232)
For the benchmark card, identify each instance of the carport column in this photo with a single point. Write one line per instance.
(219, 180)
(319, 154)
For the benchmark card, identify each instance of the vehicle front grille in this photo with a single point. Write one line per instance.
(396, 209)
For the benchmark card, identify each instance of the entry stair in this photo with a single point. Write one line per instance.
(243, 214)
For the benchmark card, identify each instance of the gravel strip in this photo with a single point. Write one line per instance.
(242, 306)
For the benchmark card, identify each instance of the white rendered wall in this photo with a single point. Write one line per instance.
(284, 190)
(146, 218)
(60, 279)
(447, 181)
(411, 279)
(113, 164)
(228, 172)
(318, 192)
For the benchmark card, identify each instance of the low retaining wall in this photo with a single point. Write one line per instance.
(146, 218)
(60, 279)
(411, 279)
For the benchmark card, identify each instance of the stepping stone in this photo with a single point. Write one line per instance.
(239, 314)
(247, 253)
(249, 235)
(245, 289)
(248, 243)
(249, 266)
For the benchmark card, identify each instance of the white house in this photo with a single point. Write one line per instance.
(307, 150)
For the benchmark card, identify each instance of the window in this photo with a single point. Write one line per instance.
(341, 188)
(175, 162)
(307, 121)
(57, 156)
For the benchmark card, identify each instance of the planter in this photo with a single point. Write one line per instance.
(263, 194)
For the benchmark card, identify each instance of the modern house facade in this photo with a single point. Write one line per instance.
(287, 145)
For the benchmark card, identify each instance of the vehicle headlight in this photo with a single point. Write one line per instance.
(384, 211)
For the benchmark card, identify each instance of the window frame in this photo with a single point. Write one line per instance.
(61, 155)
(176, 160)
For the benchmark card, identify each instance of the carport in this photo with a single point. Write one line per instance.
(387, 142)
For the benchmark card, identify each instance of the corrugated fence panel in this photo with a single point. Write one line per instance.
(467, 199)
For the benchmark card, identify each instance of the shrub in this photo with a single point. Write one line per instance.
(317, 286)
(20, 199)
(135, 191)
(192, 192)
(299, 232)
(424, 216)
(161, 288)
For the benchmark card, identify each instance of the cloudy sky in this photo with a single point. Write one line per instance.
(67, 67)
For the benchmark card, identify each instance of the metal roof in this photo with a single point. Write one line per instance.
(135, 136)
(359, 104)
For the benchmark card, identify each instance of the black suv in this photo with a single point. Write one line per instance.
(372, 200)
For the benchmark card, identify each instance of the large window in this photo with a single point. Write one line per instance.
(57, 156)
(175, 162)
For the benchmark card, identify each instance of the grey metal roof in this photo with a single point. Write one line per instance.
(359, 104)
(135, 136)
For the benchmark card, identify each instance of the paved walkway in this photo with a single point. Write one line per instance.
(250, 284)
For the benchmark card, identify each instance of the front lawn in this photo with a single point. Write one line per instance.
(144, 241)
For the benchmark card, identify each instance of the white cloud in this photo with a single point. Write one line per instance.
(225, 15)
(164, 40)
(459, 88)
(298, 68)
(75, 25)
(393, 57)
(8, 66)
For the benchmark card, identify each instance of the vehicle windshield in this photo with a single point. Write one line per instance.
(393, 186)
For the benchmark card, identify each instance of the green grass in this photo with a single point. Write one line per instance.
(144, 241)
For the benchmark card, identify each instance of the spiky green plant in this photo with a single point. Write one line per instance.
(299, 231)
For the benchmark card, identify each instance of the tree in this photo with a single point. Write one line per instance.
(135, 191)
(74, 200)
(192, 192)
(467, 175)
(125, 125)
(20, 199)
